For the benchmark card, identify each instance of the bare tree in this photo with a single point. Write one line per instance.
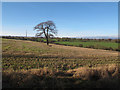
(47, 28)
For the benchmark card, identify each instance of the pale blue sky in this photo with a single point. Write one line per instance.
(71, 19)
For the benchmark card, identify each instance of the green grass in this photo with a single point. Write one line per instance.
(99, 45)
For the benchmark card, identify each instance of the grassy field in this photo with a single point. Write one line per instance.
(87, 43)
(105, 44)
(98, 45)
(57, 65)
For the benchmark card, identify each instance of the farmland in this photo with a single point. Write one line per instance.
(97, 45)
(59, 65)
(105, 44)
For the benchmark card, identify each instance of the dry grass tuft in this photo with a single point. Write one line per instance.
(86, 73)
(85, 77)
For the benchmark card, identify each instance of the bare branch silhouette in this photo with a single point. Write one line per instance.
(47, 28)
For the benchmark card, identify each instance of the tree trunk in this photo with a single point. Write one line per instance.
(47, 41)
(46, 35)
(47, 38)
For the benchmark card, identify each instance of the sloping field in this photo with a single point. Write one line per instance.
(18, 54)
(88, 51)
(67, 66)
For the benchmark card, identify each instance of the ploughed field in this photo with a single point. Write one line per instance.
(57, 65)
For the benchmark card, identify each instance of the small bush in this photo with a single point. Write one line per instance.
(70, 45)
(91, 46)
(80, 45)
(117, 49)
(66, 44)
(108, 48)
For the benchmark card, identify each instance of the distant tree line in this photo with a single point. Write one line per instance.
(40, 39)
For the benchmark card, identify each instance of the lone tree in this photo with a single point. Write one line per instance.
(47, 28)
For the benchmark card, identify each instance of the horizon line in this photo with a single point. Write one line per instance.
(85, 37)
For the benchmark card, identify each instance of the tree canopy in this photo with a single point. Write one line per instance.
(47, 28)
